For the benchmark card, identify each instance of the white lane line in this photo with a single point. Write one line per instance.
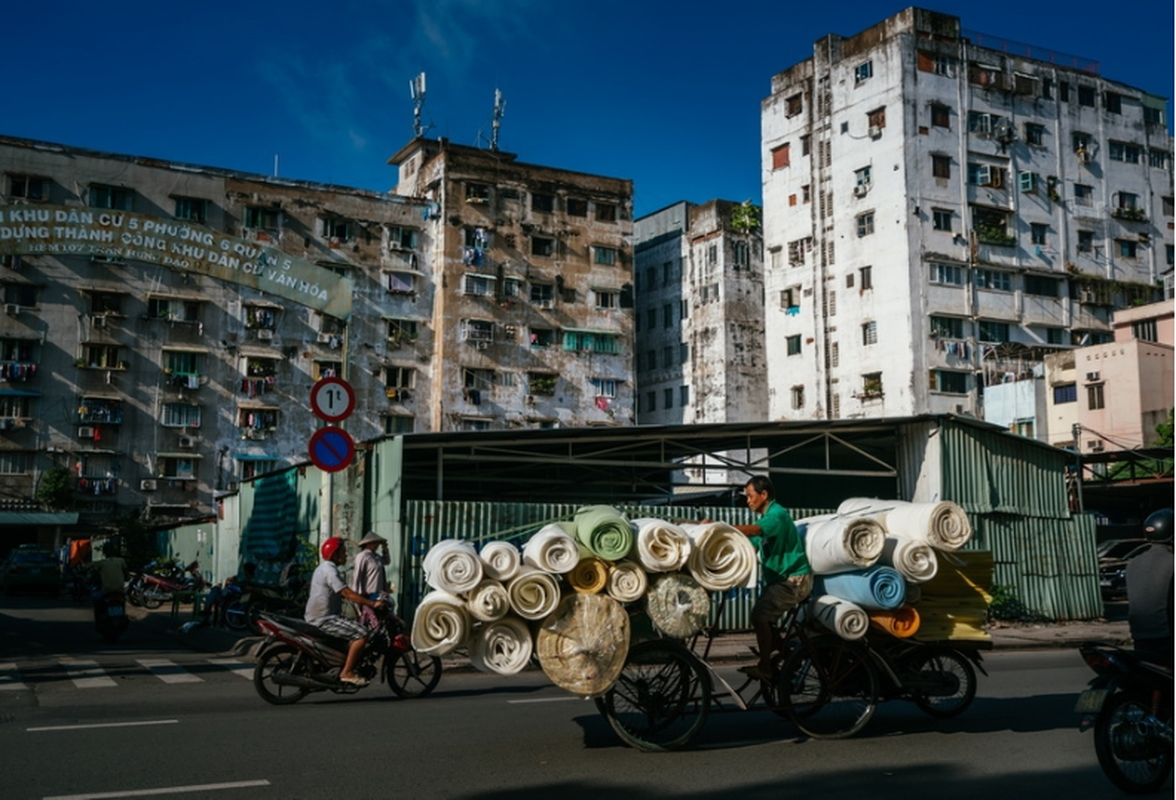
(86, 674)
(242, 668)
(207, 787)
(543, 700)
(10, 678)
(105, 725)
(168, 671)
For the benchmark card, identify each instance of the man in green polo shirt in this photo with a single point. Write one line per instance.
(787, 576)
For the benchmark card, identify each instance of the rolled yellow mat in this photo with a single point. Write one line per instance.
(590, 575)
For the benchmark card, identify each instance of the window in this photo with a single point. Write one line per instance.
(984, 75)
(605, 387)
(869, 333)
(397, 423)
(577, 207)
(806, 145)
(798, 397)
(400, 282)
(606, 298)
(876, 118)
(173, 308)
(605, 256)
(740, 253)
(867, 278)
(477, 330)
(940, 116)
(790, 298)
(863, 72)
(475, 284)
(399, 377)
(865, 223)
(794, 105)
(1086, 95)
(1113, 102)
(872, 385)
(115, 197)
(20, 294)
(995, 280)
(260, 218)
(606, 212)
(181, 415)
(1146, 330)
(183, 363)
(986, 175)
(993, 332)
(542, 246)
(591, 342)
(181, 468)
(1047, 88)
(1037, 232)
(668, 398)
(100, 409)
(477, 194)
(1121, 151)
(780, 157)
(542, 383)
(542, 294)
(1065, 393)
(1064, 91)
(650, 402)
(192, 209)
(982, 123)
(683, 396)
(668, 315)
(796, 251)
(542, 337)
(1034, 134)
(1127, 201)
(862, 176)
(834, 354)
(28, 187)
(669, 354)
(1157, 159)
(943, 380)
(1041, 286)
(1094, 396)
(544, 203)
(806, 194)
(337, 230)
(324, 368)
(992, 226)
(947, 328)
(793, 345)
(401, 238)
(947, 274)
(1127, 248)
(941, 166)
(1083, 195)
(941, 219)
(1027, 182)
(14, 463)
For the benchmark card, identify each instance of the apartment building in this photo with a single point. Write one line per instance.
(700, 353)
(943, 209)
(535, 271)
(164, 322)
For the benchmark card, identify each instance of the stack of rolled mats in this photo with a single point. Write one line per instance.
(564, 596)
(891, 568)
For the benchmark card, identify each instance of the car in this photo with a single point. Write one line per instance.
(32, 569)
(1115, 549)
(1112, 572)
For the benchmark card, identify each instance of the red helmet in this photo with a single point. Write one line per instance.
(330, 546)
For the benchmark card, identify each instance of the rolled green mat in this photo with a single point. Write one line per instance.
(604, 531)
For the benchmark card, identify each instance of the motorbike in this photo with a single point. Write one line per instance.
(298, 658)
(155, 585)
(1129, 706)
(243, 607)
(110, 614)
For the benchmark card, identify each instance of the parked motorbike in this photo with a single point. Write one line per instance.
(243, 606)
(110, 614)
(298, 658)
(156, 584)
(1129, 705)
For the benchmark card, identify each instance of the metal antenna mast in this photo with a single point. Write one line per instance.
(499, 113)
(416, 88)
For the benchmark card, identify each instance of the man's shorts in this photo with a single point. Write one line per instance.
(778, 597)
(342, 627)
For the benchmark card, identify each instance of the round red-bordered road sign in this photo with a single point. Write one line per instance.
(332, 399)
(331, 449)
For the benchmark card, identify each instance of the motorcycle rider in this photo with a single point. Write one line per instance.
(1149, 590)
(324, 607)
(368, 576)
(112, 569)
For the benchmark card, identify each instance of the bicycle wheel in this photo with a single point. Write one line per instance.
(279, 659)
(661, 699)
(411, 674)
(944, 682)
(1130, 746)
(829, 688)
(236, 616)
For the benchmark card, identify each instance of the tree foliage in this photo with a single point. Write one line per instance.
(55, 491)
(745, 217)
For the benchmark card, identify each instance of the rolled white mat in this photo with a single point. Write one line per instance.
(915, 561)
(441, 624)
(503, 646)
(835, 544)
(501, 560)
(553, 548)
(627, 582)
(845, 619)
(721, 557)
(453, 566)
(533, 593)
(661, 546)
(943, 525)
(488, 601)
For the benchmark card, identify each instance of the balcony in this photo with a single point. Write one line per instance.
(1129, 214)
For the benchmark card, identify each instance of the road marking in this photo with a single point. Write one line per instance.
(207, 787)
(242, 668)
(168, 671)
(10, 678)
(104, 725)
(86, 674)
(543, 700)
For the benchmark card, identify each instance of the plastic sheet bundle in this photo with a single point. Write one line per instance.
(583, 644)
(677, 605)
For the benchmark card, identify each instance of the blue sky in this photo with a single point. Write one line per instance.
(665, 94)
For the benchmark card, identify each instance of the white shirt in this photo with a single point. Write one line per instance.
(325, 599)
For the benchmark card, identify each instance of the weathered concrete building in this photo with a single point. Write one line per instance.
(699, 320)
(165, 322)
(942, 209)
(534, 270)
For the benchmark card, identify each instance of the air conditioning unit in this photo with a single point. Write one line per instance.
(861, 190)
(254, 433)
(86, 432)
(875, 132)
(11, 309)
(187, 442)
(1096, 445)
(265, 334)
(1083, 156)
(324, 338)
(148, 485)
(1092, 376)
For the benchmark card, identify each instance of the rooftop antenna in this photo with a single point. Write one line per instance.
(416, 88)
(499, 113)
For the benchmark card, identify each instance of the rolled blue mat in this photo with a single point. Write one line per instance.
(878, 588)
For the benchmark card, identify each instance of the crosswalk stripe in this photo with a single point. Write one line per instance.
(168, 671)
(10, 678)
(242, 668)
(86, 674)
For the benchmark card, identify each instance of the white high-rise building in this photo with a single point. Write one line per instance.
(942, 209)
